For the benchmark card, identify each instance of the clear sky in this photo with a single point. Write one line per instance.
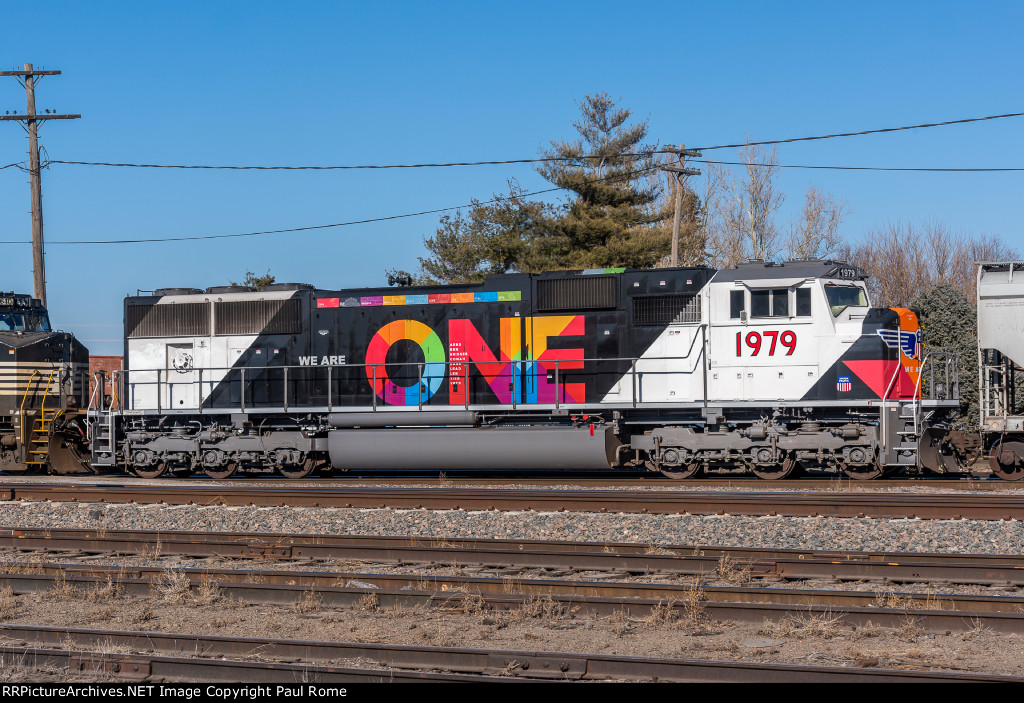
(324, 83)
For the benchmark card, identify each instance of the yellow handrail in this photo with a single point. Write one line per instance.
(21, 408)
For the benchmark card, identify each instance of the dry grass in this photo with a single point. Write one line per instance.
(891, 599)
(620, 623)
(978, 629)
(174, 586)
(370, 602)
(208, 592)
(103, 591)
(909, 628)
(731, 572)
(653, 548)
(695, 615)
(8, 603)
(826, 625)
(662, 615)
(61, 590)
(309, 602)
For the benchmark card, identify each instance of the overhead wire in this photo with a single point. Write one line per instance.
(328, 226)
(499, 162)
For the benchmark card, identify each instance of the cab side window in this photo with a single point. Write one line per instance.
(735, 304)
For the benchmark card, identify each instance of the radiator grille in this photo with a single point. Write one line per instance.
(259, 317)
(666, 309)
(171, 320)
(577, 293)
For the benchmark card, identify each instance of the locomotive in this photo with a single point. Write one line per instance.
(44, 386)
(764, 368)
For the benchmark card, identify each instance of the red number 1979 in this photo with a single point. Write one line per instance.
(755, 340)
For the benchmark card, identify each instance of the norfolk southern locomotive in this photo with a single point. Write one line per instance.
(763, 368)
(44, 389)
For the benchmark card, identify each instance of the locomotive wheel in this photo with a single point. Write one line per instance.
(864, 473)
(298, 470)
(219, 472)
(153, 471)
(1007, 460)
(694, 470)
(774, 472)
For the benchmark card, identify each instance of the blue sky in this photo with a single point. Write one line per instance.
(342, 83)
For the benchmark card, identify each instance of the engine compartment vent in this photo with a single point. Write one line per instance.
(681, 308)
(577, 293)
(174, 320)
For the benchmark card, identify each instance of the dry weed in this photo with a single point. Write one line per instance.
(978, 629)
(653, 548)
(309, 602)
(826, 625)
(695, 614)
(730, 572)
(208, 592)
(8, 603)
(662, 615)
(620, 623)
(370, 602)
(906, 601)
(104, 592)
(909, 628)
(174, 586)
(547, 608)
(61, 590)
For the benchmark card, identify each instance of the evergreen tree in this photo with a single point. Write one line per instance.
(611, 220)
(950, 325)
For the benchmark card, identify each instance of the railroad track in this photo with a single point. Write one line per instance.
(830, 504)
(946, 613)
(399, 662)
(790, 564)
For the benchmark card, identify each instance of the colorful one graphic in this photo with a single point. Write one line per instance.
(468, 353)
(517, 373)
(433, 369)
(540, 371)
(843, 384)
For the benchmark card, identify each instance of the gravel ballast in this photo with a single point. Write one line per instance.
(864, 534)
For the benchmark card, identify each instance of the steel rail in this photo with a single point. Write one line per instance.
(839, 504)
(332, 597)
(1005, 569)
(523, 585)
(466, 664)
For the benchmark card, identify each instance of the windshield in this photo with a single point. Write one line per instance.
(842, 297)
(23, 322)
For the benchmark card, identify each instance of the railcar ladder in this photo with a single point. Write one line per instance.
(39, 434)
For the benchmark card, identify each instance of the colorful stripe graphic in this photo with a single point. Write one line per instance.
(429, 299)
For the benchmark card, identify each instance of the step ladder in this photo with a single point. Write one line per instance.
(38, 436)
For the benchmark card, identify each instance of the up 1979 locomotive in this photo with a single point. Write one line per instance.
(762, 368)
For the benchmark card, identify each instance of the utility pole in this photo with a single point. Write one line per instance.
(30, 122)
(680, 171)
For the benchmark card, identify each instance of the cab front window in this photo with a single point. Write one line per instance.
(842, 297)
(23, 322)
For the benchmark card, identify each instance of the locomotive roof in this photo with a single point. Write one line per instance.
(808, 268)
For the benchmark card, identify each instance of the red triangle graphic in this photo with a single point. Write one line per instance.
(877, 375)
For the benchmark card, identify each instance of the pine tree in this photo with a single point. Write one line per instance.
(610, 221)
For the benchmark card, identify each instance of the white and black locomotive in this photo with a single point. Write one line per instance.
(762, 368)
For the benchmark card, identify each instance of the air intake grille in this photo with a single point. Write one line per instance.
(173, 320)
(577, 293)
(666, 309)
(259, 317)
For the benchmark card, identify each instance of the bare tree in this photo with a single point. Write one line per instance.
(903, 260)
(742, 223)
(817, 234)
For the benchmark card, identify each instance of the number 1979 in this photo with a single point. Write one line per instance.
(756, 340)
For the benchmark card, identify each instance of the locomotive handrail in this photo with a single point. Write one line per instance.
(164, 378)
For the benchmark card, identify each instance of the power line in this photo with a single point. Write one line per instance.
(631, 174)
(862, 132)
(500, 162)
(864, 168)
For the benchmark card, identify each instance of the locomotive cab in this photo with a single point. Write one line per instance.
(43, 386)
